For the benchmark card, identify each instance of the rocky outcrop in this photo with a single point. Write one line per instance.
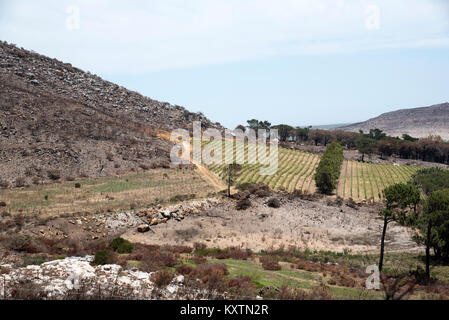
(177, 212)
(75, 277)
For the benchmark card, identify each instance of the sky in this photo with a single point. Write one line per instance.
(299, 62)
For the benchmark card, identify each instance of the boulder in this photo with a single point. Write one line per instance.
(166, 213)
(143, 228)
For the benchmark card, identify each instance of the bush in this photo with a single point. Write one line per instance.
(144, 166)
(121, 245)
(103, 257)
(20, 243)
(19, 182)
(4, 184)
(205, 271)
(328, 170)
(273, 203)
(35, 180)
(153, 258)
(233, 253)
(270, 263)
(54, 174)
(184, 269)
(77, 185)
(162, 278)
(243, 204)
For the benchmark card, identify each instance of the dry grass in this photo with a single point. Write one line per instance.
(109, 193)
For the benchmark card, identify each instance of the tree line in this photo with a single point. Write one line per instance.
(431, 149)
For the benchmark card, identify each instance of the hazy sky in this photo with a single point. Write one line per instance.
(299, 62)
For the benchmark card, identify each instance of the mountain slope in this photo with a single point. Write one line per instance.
(417, 122)
(54, 117)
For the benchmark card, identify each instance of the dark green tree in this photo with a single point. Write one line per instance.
(328, 170)
(435, 225)
(399, 199)
(302, 134)
(284, 131)
(377, 134)
(365, 145)
(406, 137)
(230, 173)
(253, 124)
(429, 180)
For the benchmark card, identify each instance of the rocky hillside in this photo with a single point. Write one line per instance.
(417, 122)
(57, 120)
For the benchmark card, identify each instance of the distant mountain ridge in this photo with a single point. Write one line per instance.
(416, 122)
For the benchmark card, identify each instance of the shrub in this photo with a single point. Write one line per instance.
(274, 203)
(153, 257)
(206, 271)
(77, 185)
(144, 166)
(4, 184)
(121, 245)
(54, 174)
(184, 269)
(240, 286)
(161, 163)
(19, 182)
(2, 204)
(32, 260)
(20, 243)
(162, 278)
(109, 156)
(270, 263)
(259, 189)
(199, 259)
(321, 292)
(35, 180)
(233, 253)
(103, 257)
(286, 293)
(328, 170)
(243, 204)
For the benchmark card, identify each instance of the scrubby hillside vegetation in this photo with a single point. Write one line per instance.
(57, 121)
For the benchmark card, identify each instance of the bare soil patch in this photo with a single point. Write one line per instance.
(314, 225)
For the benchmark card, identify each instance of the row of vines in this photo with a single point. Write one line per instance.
(297, 169)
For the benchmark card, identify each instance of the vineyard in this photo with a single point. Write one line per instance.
(361, 181)
(296, 169)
